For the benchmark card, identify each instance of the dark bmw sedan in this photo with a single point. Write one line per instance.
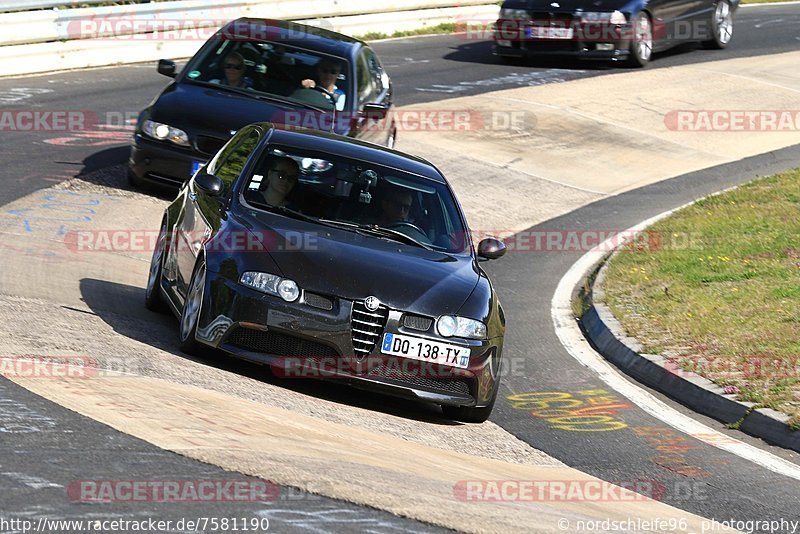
(260, 70)
(617, 30)
(327, 257)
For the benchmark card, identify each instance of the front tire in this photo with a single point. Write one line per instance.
(642, 41)
(190, 315)
(467, 414)
(721, 26)
(153, 300)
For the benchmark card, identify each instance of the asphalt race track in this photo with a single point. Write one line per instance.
(694, 476)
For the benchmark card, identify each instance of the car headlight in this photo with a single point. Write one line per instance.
(615, 17)
(454, 326)
(165, 132)
(271, 284)
(514, 14)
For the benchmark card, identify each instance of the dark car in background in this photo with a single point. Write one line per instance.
(617, 30)
(259, 70)
(363, 270)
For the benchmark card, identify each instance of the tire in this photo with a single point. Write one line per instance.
(191, 310)
(641, 40)
(721, 26)
(469, 414)
(153, 299)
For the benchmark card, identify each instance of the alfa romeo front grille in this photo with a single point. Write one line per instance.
(367, 328)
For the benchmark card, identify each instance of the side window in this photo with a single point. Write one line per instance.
(365, 80)
(231, 160)
(375, 70)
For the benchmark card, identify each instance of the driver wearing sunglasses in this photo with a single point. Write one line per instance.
(234, 72)
(326, 73)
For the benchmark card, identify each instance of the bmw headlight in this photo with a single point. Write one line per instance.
(165, 132)
(514, 14)
(605, 17)
(454, 326)
(271, 284)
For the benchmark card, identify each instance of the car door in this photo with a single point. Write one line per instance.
(203, 213)
(669, 20)
(372, 87)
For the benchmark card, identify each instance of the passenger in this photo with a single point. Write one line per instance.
(234, 73)
(281, 179)
(327, 72)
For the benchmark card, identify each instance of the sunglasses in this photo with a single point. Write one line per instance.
(236, 66)
(330, 71)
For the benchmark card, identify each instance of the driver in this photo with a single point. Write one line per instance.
(327, 72)
(395, 207)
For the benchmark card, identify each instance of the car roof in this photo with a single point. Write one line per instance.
(294, 34)
(351, 148)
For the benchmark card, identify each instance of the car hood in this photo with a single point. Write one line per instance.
(566, 5)
(218, 112)
(353, 266)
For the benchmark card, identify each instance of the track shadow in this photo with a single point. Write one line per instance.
(122, 307)
(481, 53)
(108, 168)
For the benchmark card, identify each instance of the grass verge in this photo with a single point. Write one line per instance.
(719, 294)
(445, 27)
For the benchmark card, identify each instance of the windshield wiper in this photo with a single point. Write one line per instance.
(374, 229)
(261, 96)
(283, 210)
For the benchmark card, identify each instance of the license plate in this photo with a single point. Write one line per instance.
(544, 32)
(425, 350)
(196, 167)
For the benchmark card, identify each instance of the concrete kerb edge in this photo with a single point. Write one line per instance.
(607, 336)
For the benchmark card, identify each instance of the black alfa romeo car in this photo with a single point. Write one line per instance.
(617, 30)
(328, 257)
(255, 70)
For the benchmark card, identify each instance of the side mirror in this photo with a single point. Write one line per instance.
(167, 67)
(491, 248)
(376, 111)
(208, 184)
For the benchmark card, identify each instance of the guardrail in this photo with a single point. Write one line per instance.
(44, 41)
(126, 20)
(22, 5)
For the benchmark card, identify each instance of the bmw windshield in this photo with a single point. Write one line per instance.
(272, 70)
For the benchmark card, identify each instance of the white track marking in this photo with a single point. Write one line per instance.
(572, 339)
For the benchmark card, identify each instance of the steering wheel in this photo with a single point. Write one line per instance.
(324, 92)
(405, 224)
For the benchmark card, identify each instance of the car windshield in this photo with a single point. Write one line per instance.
(268, 69)
(357, 196)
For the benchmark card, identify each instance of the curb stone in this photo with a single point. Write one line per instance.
(608, 337)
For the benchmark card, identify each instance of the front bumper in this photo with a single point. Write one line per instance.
(302, 339)
(587, 41)
(158, 161)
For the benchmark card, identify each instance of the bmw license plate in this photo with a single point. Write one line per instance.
(544, 32)
(196, 167)
(425, 350)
